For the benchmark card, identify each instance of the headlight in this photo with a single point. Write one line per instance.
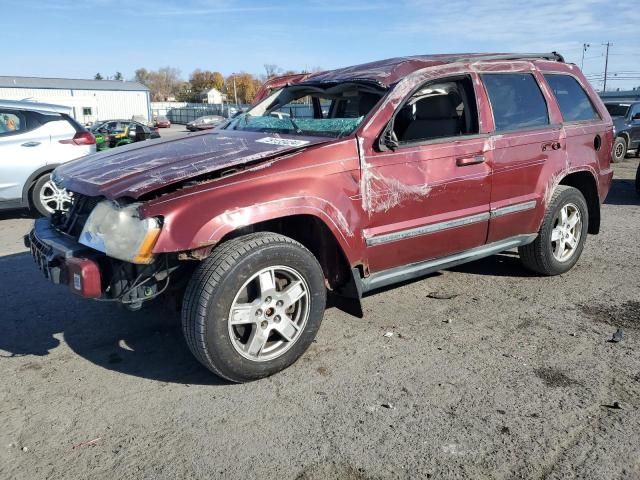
(119, 232)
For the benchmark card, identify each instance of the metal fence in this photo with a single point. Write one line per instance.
(182, 113)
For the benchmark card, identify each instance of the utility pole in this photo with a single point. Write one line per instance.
(235, 92)
(585, 46)
(606, 65)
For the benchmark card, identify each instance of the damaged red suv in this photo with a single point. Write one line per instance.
(342, 181)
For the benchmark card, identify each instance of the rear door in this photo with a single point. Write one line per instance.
(23, 149)
(526, 146)
(63, 149)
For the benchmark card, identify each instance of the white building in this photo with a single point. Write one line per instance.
(90, 100)
(212, 96)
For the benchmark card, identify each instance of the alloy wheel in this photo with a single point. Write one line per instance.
(269, 313)
(54, 198)
(566, 233)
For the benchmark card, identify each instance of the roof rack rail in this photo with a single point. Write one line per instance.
(554, 56)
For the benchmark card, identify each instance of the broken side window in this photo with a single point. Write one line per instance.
(442, 109)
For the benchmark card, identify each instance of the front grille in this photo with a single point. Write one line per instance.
(72, 222)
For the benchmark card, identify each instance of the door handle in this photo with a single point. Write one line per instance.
(465, 161)
(551, 146)
(30, 144)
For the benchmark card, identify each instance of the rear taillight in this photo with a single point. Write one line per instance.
(81, 138)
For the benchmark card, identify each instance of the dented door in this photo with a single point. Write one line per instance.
(425, 201)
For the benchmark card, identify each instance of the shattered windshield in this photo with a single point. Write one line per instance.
(327, 110)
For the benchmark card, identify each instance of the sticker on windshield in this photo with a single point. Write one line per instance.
(284, 142)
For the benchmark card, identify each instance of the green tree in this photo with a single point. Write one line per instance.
(118, 76)
(97, 76)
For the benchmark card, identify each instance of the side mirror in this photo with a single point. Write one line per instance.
(388, 140)
(636, 116)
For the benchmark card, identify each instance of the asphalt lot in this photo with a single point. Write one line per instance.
(490, 373)
(173, 131)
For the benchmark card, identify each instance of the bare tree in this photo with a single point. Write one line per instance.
(163, 83)
(272, 70)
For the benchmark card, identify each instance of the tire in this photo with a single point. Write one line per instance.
(548, 257)
(619, 150)
(45, 189)
(236, 275)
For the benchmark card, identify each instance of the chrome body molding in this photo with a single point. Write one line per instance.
(420, 269)
(458, 222)
(424, 229)
(517, 207)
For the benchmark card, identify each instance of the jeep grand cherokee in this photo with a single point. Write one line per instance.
(345, 181)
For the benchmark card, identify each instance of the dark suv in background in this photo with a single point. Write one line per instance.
(626, 121)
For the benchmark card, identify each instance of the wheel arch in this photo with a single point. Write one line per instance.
(585, 182)
(31, 181)
(624, 135)
(323, 240)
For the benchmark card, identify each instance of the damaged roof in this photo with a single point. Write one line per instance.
(389, 71)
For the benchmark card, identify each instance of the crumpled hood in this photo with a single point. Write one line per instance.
(133, 170)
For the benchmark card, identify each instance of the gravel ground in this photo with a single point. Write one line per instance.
(502, 375)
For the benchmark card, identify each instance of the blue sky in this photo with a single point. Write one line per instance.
(71, 38)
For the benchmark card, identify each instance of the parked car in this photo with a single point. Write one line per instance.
(422, 163)
(626, 124)
(34, 139)
(161, 122)
(115, 133)
(206, 122)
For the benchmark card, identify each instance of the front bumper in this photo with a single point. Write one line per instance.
(63, 261)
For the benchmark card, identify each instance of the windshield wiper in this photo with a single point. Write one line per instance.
(295, 125)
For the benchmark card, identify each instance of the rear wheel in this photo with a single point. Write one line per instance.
(254, 306)
(562, 235)
(619, 150)
(46, 197)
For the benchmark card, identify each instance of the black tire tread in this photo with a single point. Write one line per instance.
(532, 255)
(204, 281)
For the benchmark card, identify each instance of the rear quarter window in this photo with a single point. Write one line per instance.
(516, 100)
(573, 101)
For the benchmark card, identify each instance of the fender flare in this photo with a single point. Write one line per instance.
(225, 223)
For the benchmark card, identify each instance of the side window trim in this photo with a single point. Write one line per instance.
(416, 143)
(572, 122)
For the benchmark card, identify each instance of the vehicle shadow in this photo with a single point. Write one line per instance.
(622, 192)
(505, 264)
(36, 315)
(17, 213)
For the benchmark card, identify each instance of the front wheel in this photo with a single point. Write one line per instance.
(254, 306)
(562, 235)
